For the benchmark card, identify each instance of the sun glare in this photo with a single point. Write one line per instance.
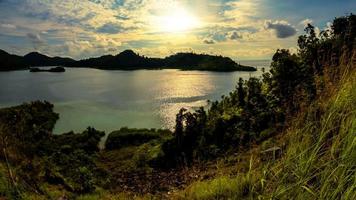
(177, 21)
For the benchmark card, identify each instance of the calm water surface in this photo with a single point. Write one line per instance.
(108, 100)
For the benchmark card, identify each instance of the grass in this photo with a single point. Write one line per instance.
(105, 195)
(131, 158)
(244, 185)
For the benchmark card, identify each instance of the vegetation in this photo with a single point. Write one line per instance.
(33, 155)
(257, 109)
(290, 135)
(318, 160)
(129, 137)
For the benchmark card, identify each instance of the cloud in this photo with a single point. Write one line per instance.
(8, 26)
(209, 41)
(282, 29)
(82, 29)
(36, 40)
(34, 37)
(242, 12)
(234, 35)
(110, 28)
(307, 21)
(224, 34)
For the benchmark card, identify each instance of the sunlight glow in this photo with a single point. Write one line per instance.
(177, 21)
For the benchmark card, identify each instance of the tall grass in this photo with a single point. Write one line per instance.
(245, 185)
(320, 162)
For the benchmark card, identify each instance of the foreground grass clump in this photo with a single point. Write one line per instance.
(318, 163)
(131, 158)
(133, 150)
(133, 137)
(106, 195)
(243, 185)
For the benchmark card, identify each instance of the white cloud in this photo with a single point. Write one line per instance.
(305, 22)
(36, 40)
(8, 26)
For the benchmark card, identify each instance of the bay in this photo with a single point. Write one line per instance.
(109, 100)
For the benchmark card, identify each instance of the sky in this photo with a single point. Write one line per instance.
(240, 29)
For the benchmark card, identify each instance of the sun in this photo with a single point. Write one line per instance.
(177, 21)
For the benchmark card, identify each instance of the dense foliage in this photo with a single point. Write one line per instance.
(128, 137)
(34, 155)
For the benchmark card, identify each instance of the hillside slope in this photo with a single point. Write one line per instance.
(318, 157)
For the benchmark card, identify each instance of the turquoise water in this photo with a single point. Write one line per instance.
(108, 100)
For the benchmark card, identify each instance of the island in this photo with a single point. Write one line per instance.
(126, 60)
(54, 69)
(129, 60)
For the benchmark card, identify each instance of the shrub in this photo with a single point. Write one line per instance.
(133, 137)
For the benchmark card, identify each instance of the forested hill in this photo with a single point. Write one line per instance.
(126, 60)
(129, 60)
(10, 62)
(37, 59)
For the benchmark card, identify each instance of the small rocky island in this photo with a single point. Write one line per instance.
(54, 69)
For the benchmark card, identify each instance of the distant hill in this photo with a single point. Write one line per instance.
(11, 62)
(126, 60)
(37, 59)
(129, 60)
(192, 61)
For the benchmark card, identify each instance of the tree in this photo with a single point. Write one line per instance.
(241, 92)
(339, 26)
(308, 49)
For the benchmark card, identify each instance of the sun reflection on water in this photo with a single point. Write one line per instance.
(182, 90)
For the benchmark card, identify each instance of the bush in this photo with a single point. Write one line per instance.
(133, 137)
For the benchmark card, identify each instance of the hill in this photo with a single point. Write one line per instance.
(37, 59)
(10, 62)
(126, 60)
(191, 61)
(129, 60)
